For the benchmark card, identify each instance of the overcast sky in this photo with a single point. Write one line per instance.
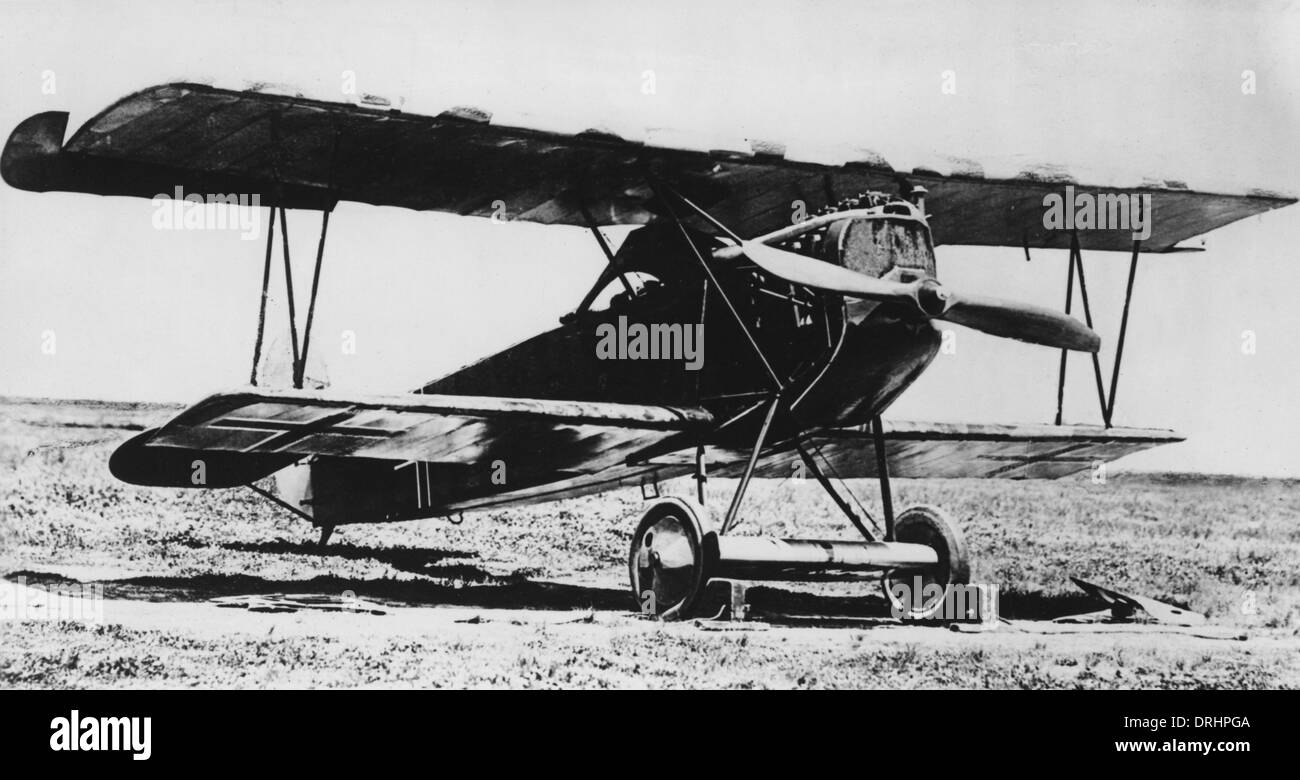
(1131, 89)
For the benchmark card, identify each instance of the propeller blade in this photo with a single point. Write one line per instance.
(822, 276)
(1021, 321)
(1008, 319)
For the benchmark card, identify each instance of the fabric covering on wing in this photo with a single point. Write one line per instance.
(303, 153)
(949, 450)
(243, 435)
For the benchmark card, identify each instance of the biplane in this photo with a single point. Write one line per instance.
(814, 327)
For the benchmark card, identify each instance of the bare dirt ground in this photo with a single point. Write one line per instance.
(220, 588)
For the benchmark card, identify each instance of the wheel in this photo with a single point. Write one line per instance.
(931, 527)
(669, 559)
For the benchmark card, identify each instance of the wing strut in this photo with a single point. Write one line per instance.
(311, 303)
(1077, 256)
(266, 283)
(1105, 400)
(1123, 330)
(1065, 353)
(288, 290)
(300, 347)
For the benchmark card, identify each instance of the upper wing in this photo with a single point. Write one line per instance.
(304, 153)
(244, 435)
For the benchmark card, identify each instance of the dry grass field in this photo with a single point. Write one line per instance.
(536, 597)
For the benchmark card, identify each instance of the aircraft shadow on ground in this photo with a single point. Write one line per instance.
(448, 578)
(497, 593)
(425, 562)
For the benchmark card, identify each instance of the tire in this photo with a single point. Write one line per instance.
(669, 559)
(930, 526)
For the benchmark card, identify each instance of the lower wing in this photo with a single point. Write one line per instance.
(920, 449)
(946, 450)
(237, 437)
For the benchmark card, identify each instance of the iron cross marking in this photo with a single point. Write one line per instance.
(287, 433)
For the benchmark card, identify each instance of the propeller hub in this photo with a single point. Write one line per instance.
(932, 298)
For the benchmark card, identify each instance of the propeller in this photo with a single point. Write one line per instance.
(997, 317)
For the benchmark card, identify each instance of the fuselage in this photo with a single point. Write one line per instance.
(676, 340)
(842, 365)
(839, 361)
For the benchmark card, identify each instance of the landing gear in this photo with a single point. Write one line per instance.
(326, 531)
(675, 555)
(668, 562)
(919, 593)
(675, 552)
